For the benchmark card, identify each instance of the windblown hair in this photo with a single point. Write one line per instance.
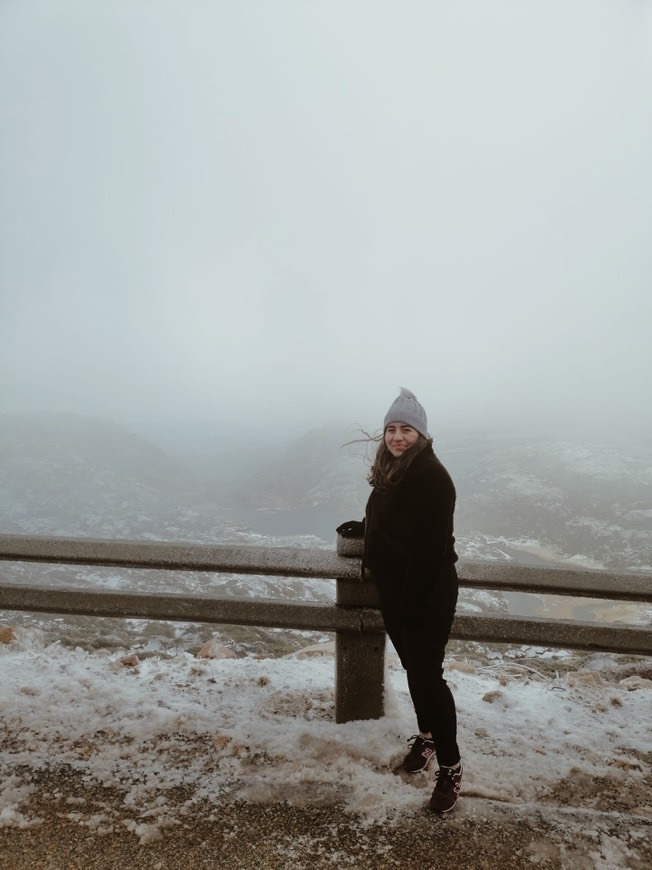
(387, 470)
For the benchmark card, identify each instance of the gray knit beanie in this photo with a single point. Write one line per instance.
(406, 409)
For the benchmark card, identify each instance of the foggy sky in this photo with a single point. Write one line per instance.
(277, 213)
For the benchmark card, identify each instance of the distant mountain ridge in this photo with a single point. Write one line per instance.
(318, 468)
(588, 503)
(72, 474)
(66, 474)
(580, 500)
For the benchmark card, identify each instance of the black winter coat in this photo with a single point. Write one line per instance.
(409, 526)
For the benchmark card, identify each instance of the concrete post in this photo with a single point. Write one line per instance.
(359, 655)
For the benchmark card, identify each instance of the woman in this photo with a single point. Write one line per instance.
(409, 549)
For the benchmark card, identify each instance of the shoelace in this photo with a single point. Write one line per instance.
(416, 739)
(446, 776)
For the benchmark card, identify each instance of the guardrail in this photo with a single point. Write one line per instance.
(355, 619)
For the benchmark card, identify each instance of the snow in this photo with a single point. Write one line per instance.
(533, 729)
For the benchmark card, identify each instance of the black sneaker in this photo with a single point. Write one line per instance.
(447, 789)
(421, 751)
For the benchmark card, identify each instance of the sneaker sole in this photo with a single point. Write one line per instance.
(419, 769)
(443, 812)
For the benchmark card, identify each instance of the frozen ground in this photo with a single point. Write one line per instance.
(176, 735)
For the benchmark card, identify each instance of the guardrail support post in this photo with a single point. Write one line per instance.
(359, 655)
(359, 676)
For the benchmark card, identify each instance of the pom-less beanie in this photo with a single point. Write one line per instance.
(406, 409)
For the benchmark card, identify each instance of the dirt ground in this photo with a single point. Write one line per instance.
(478, 835)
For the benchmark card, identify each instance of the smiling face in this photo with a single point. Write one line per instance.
(400, 436)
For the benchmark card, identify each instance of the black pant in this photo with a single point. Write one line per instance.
(418, 622)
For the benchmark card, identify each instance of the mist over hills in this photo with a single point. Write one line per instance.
(70, 474)
(518, 498)
(590, 503)
(319, 468)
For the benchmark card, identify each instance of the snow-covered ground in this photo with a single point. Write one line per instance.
(538, 728)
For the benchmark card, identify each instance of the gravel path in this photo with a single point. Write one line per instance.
(478, 834)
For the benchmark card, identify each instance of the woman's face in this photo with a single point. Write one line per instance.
(400, 436)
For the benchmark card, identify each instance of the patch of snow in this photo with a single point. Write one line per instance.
(264, 730)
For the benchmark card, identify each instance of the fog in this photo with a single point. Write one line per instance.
(272, 215)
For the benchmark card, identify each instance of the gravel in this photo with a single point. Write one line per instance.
(478, 834)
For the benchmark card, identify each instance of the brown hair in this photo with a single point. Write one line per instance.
(387, 470)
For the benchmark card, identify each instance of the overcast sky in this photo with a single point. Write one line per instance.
(260, 211)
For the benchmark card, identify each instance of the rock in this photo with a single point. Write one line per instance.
(7, 634)
(635, 682)
(213, 649)
(464, 667)
(585, 678)
(318, 649)
(625, 764)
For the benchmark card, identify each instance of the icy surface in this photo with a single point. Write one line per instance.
(533, 730)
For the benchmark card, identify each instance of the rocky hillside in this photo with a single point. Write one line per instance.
(319, 468)
(590, 502)
(68, 474)
(517, 497)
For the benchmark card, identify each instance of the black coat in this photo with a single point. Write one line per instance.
(409, 526)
